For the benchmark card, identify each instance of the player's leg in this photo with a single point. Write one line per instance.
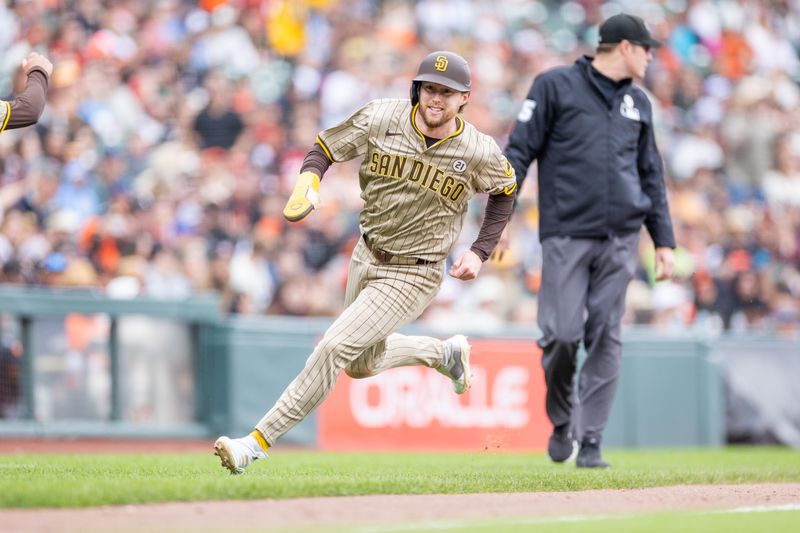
(237, 454)
(449, 357)
(611, 273)
(382, 301)
(402, 350)
(396, 351)
(562, 307)
(416, 350)
(381, 306)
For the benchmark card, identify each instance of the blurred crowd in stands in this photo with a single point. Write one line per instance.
(174, 131)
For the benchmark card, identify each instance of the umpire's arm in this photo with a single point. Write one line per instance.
(651, 175)
(532, 128)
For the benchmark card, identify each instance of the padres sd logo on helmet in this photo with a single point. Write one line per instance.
(441, 63)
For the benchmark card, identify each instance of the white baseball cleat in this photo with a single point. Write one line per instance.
(457, 351)
(236, 455)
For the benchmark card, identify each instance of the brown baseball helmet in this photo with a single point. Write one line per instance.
(445, 68)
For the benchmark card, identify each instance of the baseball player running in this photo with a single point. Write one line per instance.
(421, 164)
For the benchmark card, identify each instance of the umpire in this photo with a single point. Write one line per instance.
(600, 177)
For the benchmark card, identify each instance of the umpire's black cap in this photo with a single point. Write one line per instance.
(624, 27)
(445, 68)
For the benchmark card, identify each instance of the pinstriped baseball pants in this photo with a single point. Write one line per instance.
(380, 298)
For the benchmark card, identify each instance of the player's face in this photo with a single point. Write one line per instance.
(439, 104)
(637, 57)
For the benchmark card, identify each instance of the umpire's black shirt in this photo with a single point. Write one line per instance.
(600, 172)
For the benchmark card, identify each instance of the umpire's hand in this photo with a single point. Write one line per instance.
(665, 263)
(467, 266)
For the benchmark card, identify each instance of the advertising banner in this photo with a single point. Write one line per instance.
(415, 408)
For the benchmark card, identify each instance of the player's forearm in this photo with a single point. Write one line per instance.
(316, 161)
(498, 211)
(28, 106)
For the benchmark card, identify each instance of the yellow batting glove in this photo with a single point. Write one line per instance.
(304, 198)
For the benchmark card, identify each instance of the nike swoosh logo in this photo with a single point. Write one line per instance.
(393, 133)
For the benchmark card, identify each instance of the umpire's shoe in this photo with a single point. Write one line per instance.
(561, 446)
(589, 454)
(237, 454)
(455, 364)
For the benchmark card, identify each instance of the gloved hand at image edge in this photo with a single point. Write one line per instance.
(304, 198)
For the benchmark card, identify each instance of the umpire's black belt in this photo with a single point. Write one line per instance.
(385, 257)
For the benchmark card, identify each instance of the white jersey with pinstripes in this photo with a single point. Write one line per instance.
(415, 197)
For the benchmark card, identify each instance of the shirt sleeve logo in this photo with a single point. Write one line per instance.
(628, 110)
(459, 165)
(526, 113)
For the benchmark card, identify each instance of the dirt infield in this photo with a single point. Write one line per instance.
(351, 512)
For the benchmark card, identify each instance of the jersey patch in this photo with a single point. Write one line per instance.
(628, 110)
(459, 165)
(526, 113)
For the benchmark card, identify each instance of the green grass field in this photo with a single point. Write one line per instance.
(90, 480)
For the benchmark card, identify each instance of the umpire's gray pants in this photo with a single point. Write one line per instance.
(582, 297)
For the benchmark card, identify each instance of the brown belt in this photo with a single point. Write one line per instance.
(384, 257)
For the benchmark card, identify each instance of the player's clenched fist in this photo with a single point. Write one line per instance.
(304, 198)
(467, 266)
